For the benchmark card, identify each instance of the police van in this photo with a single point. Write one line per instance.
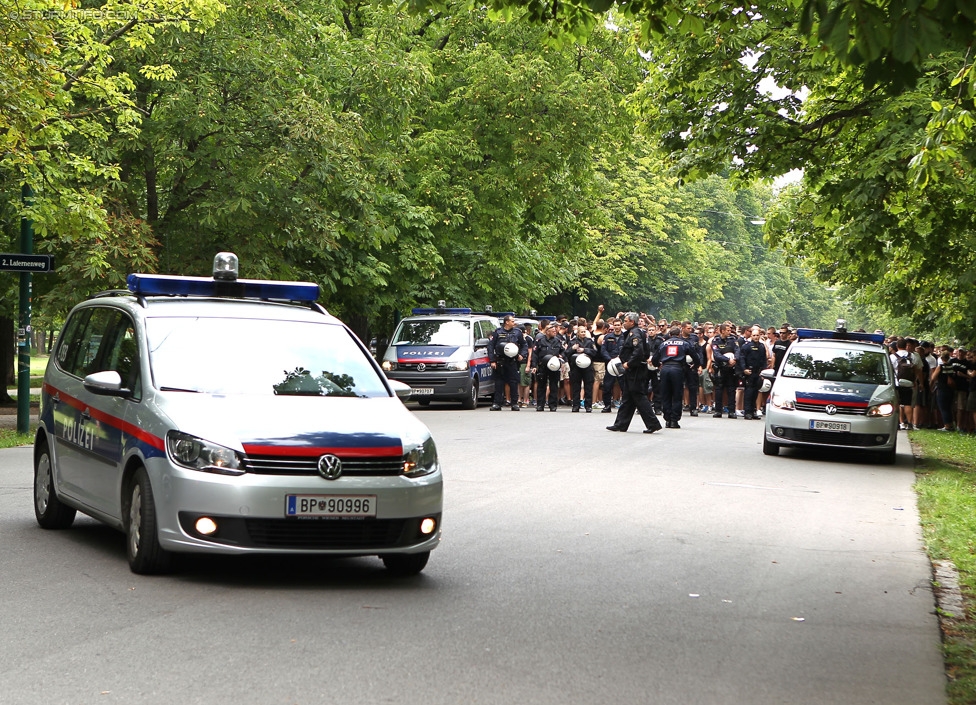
(833, 389)
(442, 354)
(231, 416)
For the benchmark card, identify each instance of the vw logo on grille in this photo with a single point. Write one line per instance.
(330, 467)
(421, 367)
(830, 409)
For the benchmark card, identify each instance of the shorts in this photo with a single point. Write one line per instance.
(904, 396)
(599, 372)
(564, 372)
(971, 404)
(915, 396)
(705, 382)
(525, 377)
(962, 400)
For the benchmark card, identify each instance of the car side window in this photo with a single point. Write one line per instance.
(69, 343)
(98, 340)
(122, 353)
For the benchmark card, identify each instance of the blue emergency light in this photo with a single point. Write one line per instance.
(811, 333)
(167, 285)
(435, 311)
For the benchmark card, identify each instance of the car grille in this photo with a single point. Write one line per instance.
(355, 467)
(428, 366)
(345, 534)
(831, 438)
(820, 408)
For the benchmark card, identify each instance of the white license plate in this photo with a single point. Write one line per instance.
(421, 391)
(838, 426)
(330, 505)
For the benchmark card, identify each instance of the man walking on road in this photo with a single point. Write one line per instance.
(633, 381)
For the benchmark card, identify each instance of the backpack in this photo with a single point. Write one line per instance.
(904, 368)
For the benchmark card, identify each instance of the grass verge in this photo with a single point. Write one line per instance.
(946, 488)
(9, 438)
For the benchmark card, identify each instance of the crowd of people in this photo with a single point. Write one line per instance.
(632, 363)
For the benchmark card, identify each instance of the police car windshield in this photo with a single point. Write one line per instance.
(833, 365)
(433, 332)
(259, 357)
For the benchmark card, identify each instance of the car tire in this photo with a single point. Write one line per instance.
(471, 402)
(424, 402)
(146, 556)
(50, 512)
(405, 564)
(888, 457)
(770, 448)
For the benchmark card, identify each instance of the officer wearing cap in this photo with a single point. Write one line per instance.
(633, 381)
(672, 358)
(724, 353)
(581, 343)
(506, 366)
(548, 347)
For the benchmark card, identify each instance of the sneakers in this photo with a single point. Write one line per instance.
(598, 405)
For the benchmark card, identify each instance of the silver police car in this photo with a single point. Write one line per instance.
(833, 389)
(231, 416)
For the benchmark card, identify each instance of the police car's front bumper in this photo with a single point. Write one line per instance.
(800, 428)
(250, 513)
(440, 385)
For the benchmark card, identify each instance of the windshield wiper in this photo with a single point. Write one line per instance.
(179, 389)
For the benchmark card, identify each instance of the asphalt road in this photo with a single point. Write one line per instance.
(577, 566)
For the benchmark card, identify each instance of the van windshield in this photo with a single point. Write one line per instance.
(433, 332)
(832, 365)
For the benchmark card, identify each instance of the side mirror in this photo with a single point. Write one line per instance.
(481, 343)
(106, 384)
(768, 374)
(401, 389)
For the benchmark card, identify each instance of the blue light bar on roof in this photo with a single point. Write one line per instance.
(810, 333)
(433, 311)
(166, 285)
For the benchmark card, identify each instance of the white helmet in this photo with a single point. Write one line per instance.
(554, 364)
(511, 349)
(583, 360)
(766, 385)
(688, 359)
(615, 367)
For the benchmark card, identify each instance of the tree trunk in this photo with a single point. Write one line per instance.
(8, 353)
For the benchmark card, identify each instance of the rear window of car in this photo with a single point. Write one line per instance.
(259, 357)
(837, 365)
(433, 332)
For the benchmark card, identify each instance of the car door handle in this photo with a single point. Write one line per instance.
(56, 399)
(86, 414)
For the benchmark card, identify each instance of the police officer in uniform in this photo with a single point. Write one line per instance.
(633, 381)
(506, 368)
(672, 357)
(693, 369)
(609, 349)
(655, 336)
(547, 346)
(581, 344)
(723, 366)
(753, 359)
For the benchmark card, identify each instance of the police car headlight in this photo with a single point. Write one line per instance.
(885, 409)
(421, 459)
(783, 401)
(388, 365)
(459, 366)
(197, 454)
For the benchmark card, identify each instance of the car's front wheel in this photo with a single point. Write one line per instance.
(145, 554)
(770, 448)
(471, 402)
(50, 512)
(403, 564)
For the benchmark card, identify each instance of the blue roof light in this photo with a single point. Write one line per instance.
(435, 311)
(166, 285)
(810, 333)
